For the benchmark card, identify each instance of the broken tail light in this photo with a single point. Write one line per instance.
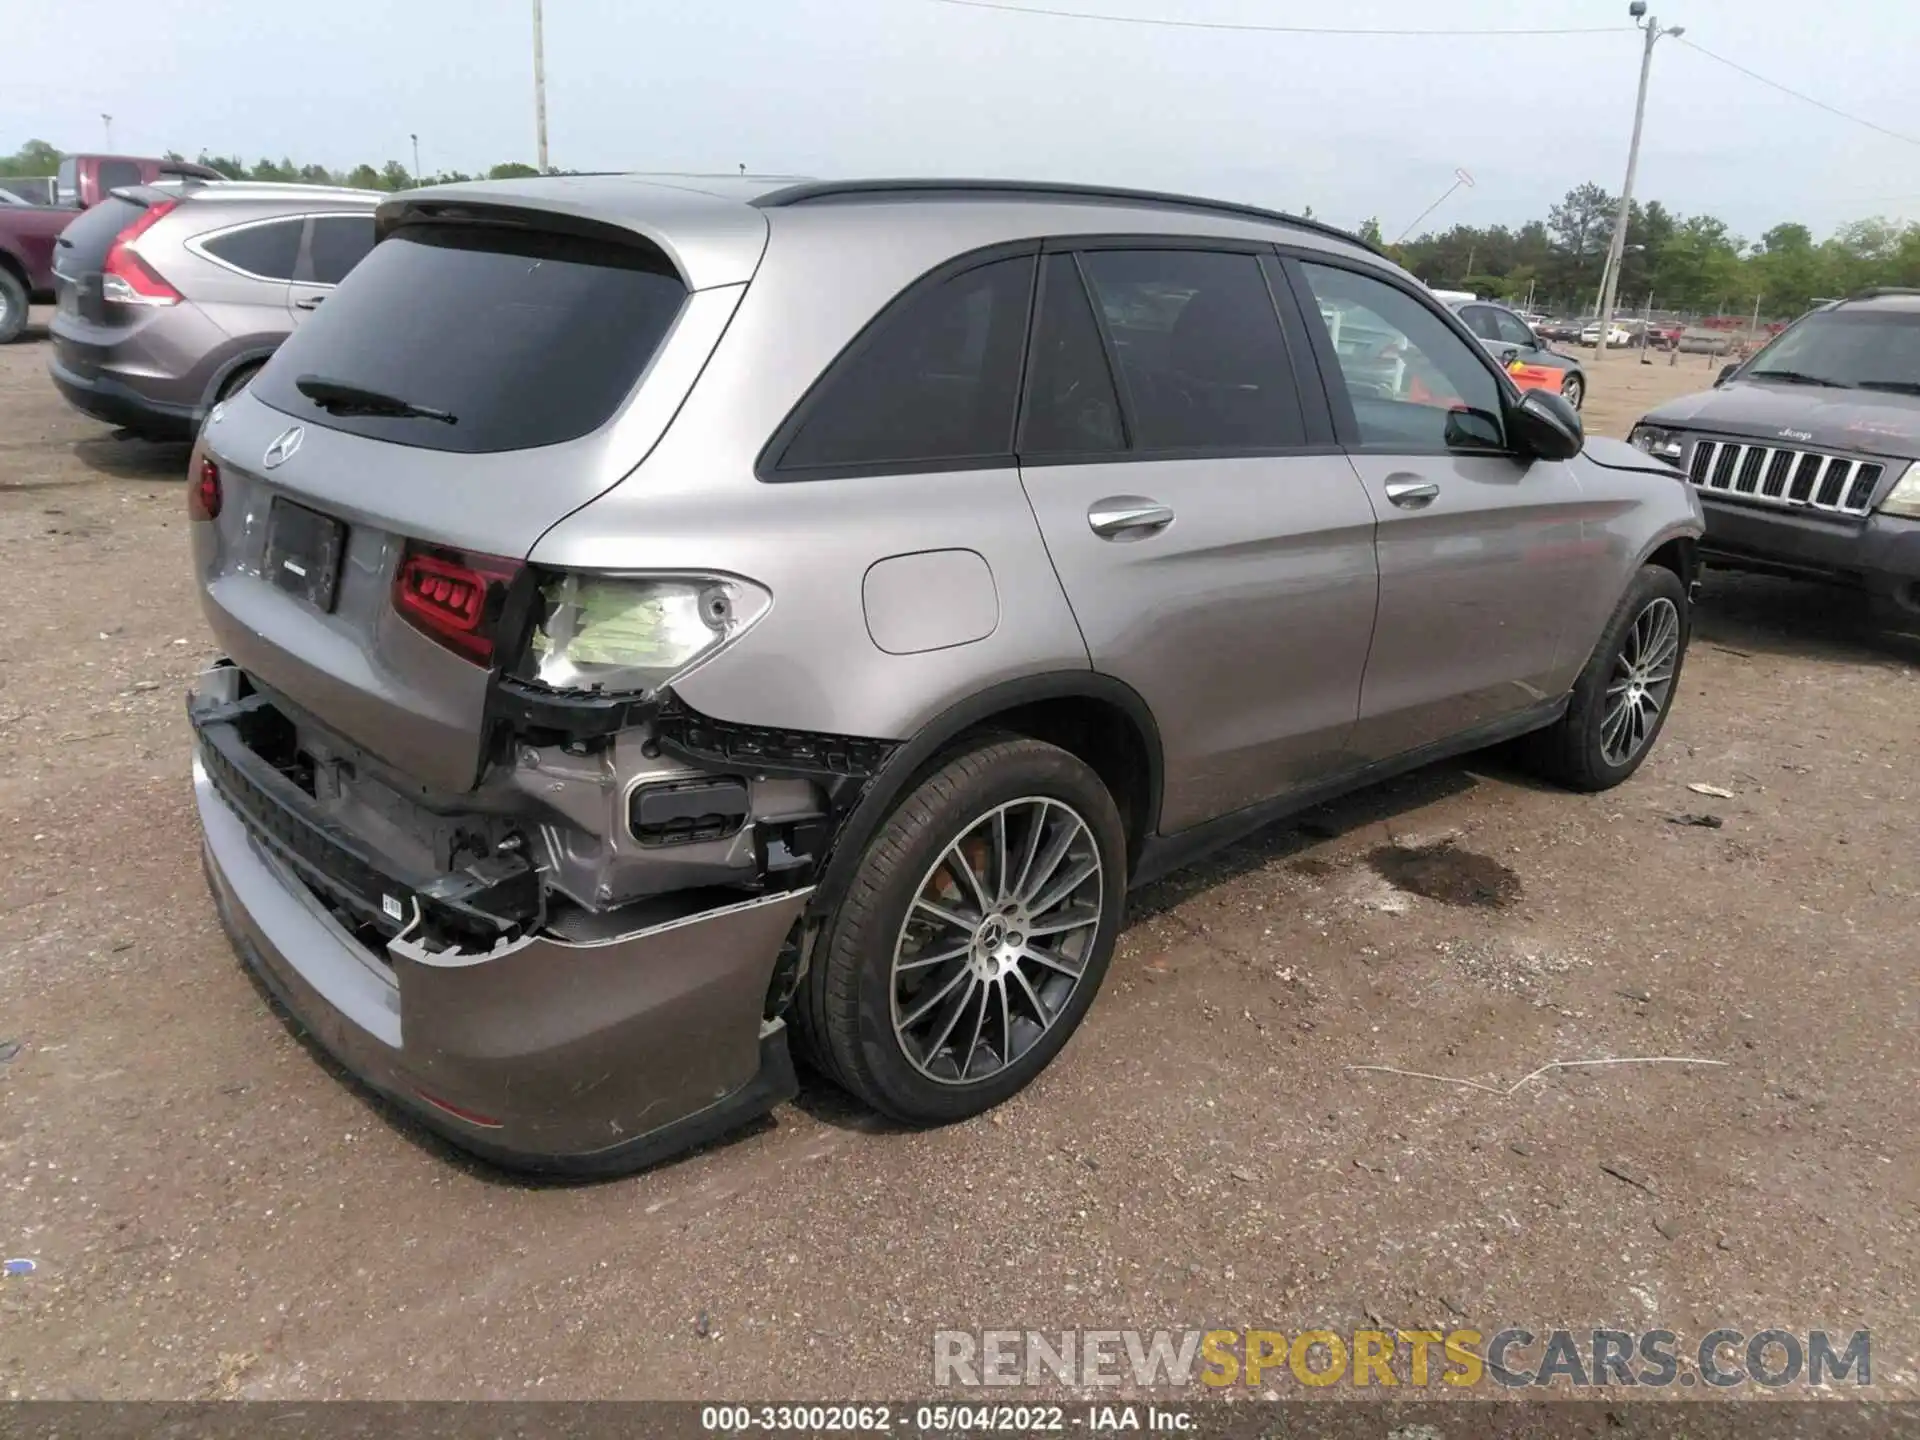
(126, 278)
(632, 634)
(454, 597)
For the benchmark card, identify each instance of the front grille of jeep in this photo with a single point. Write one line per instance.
(1789, 479)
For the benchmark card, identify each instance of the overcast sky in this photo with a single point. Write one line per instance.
(1353, 126)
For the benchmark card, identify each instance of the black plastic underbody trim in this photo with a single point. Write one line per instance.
(1164, 854)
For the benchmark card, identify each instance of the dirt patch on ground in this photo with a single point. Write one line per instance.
(1446, 873)
(214, 1213)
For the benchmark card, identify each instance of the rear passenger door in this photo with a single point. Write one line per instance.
(1214, 543)
(334, 245)
(1480, 549)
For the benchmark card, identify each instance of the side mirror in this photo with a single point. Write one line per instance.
(1546, 427)
(1726, 374)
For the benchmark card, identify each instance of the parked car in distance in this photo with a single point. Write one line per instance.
(1618, 336)
(27, 235)
(1807, 456)
(1565, 331)
(821, 603)
(1533, 364)
(83, 181)
(168, 302)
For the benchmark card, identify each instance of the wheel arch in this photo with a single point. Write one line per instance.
(253, 357)
(1101, 720)
(1679, 553)
(15, 267)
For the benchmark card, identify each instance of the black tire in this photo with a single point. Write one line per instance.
(13, 306)
(1573, 389)
(843, 1014)
(1571, 752)
(238, 380)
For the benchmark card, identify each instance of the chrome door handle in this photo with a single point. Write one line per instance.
(1127, 515)
(1412, 494)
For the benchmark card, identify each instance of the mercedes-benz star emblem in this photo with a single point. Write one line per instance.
(283, 446)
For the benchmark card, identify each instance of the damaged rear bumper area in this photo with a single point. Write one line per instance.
(540, 1034)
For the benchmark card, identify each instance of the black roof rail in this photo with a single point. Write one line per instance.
(1874, 292)
(829, 190)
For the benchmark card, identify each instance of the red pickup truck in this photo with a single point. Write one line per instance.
(27, 231)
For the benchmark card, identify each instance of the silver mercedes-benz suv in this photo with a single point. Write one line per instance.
(667, 615)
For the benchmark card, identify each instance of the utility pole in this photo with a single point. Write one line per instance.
(107, 121)
(416, 158)
(539, 88)
(1651, 25)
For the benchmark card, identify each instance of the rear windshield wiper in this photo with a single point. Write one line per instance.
(1796, 377)
(1898, 387)
(338, 398)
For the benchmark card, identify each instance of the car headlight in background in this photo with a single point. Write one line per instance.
(1661, 444)
(634, 633)
(1904, 498)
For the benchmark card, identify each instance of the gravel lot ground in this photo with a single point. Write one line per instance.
(213, 1213)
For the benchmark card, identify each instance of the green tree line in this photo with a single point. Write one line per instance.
(1673, 261)
(37, 157)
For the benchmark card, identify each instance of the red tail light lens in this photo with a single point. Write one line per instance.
(126, 278)
(453, 597)
(203, 498)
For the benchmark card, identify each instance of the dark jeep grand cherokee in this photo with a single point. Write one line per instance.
(1807, 457)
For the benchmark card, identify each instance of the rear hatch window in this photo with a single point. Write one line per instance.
(82, 247)
(493, 338)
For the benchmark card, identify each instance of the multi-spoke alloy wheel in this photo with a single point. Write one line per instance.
(1643, 674)
(995, 942)
(975, 932)
(1625, 692)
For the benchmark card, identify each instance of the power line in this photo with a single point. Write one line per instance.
(1788, 90)
(1264, 29)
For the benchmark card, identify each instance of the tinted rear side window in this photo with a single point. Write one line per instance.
(267, 251)
(526, 337)
(83, 245)
(1202, 356)
(934, 381)
(338, 243)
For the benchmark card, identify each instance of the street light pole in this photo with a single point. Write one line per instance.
(416, 157)
(1610, 290)
(107, 121)
(539, 88)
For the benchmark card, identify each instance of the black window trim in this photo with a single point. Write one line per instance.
(767, 467)
(1316, 419)
(1346, 425)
